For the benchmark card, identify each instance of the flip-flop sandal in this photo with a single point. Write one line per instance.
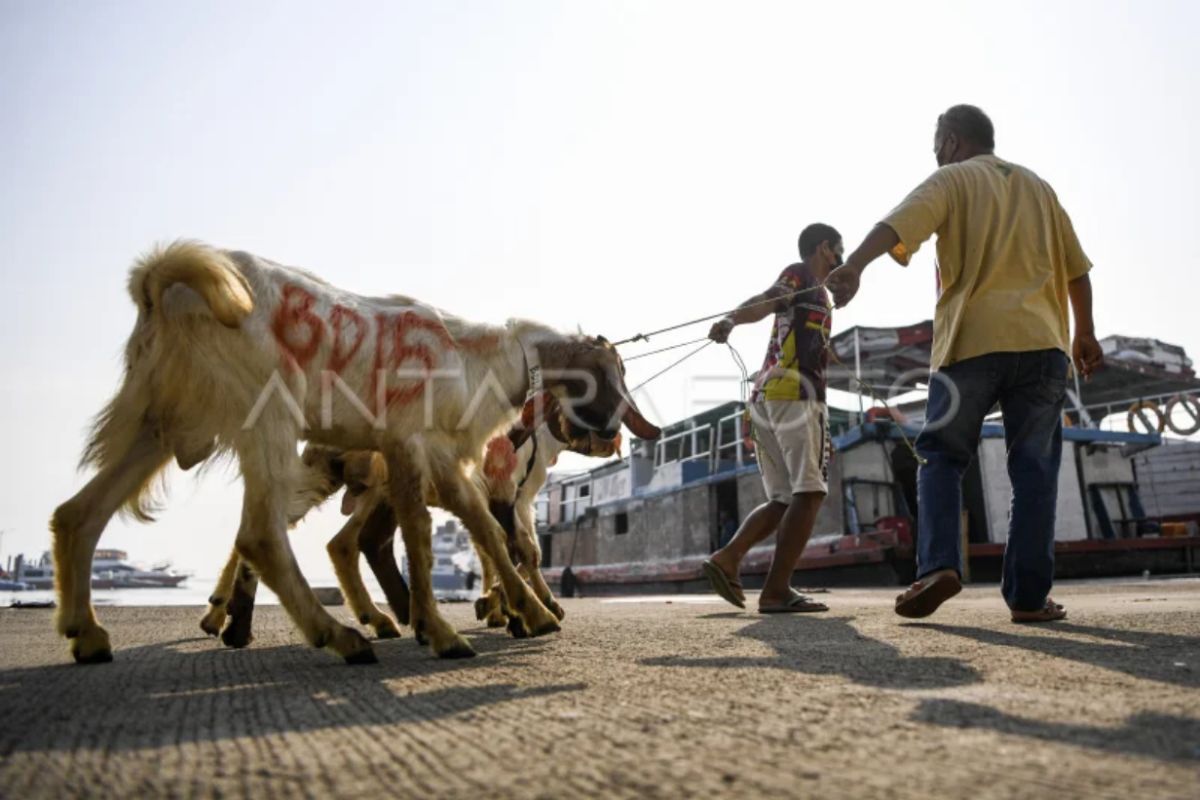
(730, 589)
(1048, 613)
(796, 604)
(923, 597)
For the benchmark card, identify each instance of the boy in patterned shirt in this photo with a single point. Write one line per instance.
(790, 425)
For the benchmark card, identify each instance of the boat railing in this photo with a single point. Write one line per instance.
(736, 443)
(691, 437)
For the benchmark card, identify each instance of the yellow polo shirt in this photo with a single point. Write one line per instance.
(1005, 253)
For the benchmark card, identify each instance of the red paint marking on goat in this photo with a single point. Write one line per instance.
(294, 314)
(342, 353)
(500, 459)
(407, 339)
(397, 329)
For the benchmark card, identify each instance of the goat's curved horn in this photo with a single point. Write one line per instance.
(631, 417)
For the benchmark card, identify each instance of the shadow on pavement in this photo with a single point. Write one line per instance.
(1161, 736)
(832, 646)
(1142, 654)
(159, 695)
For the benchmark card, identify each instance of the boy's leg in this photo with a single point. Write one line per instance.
(758, 525)
(800, 427)
(794, 533)
(762, 521)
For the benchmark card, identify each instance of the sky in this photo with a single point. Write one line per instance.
(614, 167)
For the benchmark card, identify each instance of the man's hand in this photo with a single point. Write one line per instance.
(1087, 353)
(842, 283)
(719, 332)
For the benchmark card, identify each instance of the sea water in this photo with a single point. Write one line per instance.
(195, 592)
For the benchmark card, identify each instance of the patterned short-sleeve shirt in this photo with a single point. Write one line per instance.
(794, 368)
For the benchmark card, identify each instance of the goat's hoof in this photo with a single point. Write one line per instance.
(516, 628)
(402, 616)
(555, 608)
(419, 633)
(96, 657)
(549, 626)
(91, 647)
(481, 609)
(350, 645)
(366, 656)
(459, 649)
(386, 630)
(237, 637)
(212, 623)
(497, 619)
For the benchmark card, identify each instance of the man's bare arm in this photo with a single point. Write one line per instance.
(843, 282)
(1085, 350)
(756, 308)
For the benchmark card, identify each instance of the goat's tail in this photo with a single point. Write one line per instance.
(151, 403)
(206, 270)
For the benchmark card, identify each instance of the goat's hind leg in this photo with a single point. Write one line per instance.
(343, 551)
(377, 542)
(77, 525)
(218, 601)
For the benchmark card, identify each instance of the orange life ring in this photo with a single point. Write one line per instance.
(1137, 412)
(1191, 406)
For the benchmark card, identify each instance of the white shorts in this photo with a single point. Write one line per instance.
(791, 439)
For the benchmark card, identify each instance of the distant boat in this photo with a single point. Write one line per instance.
(7, 585)
(114, 566)
(456, 568)
(111, 569)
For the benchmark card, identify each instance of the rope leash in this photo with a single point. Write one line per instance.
(665, 349)
(645, 337)
(672, 365)
(737, 358)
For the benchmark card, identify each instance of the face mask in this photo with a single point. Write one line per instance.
(943, 160)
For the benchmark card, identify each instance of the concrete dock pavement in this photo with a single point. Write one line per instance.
(642, 697)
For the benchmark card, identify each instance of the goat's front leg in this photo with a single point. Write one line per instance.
(490, 605)
(77, 525)
(530, 555)
(240, 630)
(416, 526)
(262, 541)
(343, 552)
(218, 601)
(377, 542)
(463, 499)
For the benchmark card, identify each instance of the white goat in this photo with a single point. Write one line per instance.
(234, 353)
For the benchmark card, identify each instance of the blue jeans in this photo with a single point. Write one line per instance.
(1030, 388)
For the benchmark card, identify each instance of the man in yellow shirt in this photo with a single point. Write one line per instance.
(1008, 263)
